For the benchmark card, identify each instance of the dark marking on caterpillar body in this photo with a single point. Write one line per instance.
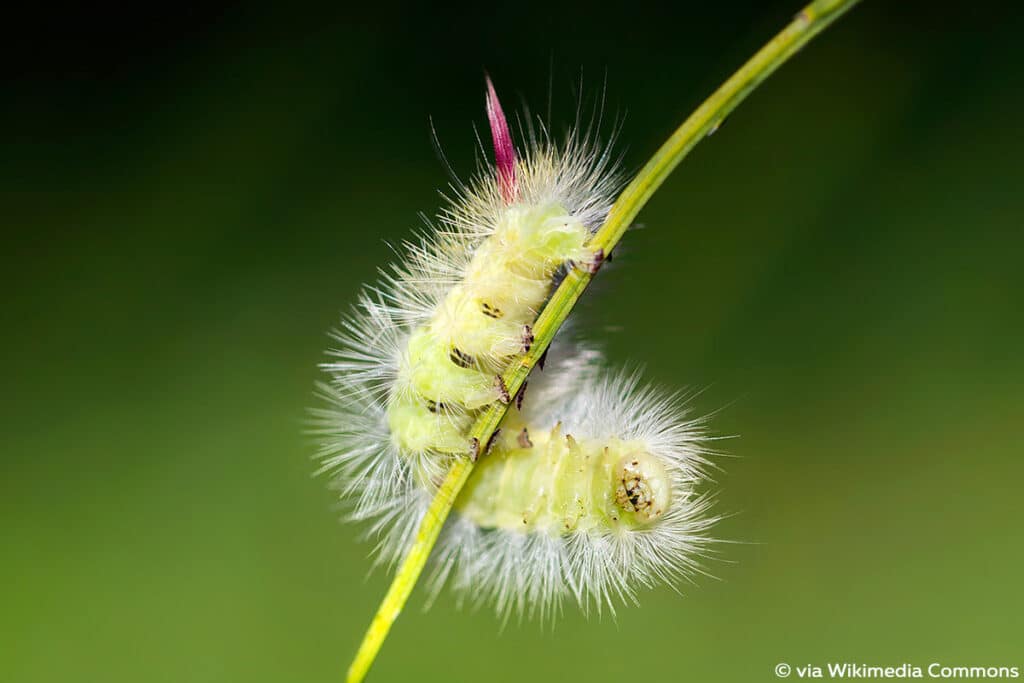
(474, 449)
(520, 395)
(543, 359)
(503, 394)
(437, 407)
(524, 439)
(527, 338)
(463, 360)
(490, 441)
(595, 262)
(491, 311)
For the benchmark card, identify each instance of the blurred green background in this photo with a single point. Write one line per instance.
(190, 201)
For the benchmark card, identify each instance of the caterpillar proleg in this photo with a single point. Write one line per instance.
(590, 488)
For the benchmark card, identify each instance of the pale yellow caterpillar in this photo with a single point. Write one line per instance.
(431, 341)
(589, 492)
(589, 489)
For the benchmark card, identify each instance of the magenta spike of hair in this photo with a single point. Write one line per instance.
(504, 151)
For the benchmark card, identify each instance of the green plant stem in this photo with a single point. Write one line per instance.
(814, 18)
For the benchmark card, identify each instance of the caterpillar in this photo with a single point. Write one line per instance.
(590, 490)
(590, 487)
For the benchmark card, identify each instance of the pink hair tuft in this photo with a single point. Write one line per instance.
(504, 150)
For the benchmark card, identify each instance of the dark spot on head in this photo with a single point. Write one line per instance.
(633, 493)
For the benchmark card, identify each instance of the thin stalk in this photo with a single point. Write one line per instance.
(814, 18)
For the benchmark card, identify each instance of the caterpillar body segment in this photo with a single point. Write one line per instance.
(423, 426)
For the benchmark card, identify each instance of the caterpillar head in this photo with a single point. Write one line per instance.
(643, 490)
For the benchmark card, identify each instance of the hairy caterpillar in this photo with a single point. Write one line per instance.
(433, 339)
(588, 490)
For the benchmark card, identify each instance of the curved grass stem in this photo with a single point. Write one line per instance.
(814, 18)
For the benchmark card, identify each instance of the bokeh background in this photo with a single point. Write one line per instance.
(191, 198)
